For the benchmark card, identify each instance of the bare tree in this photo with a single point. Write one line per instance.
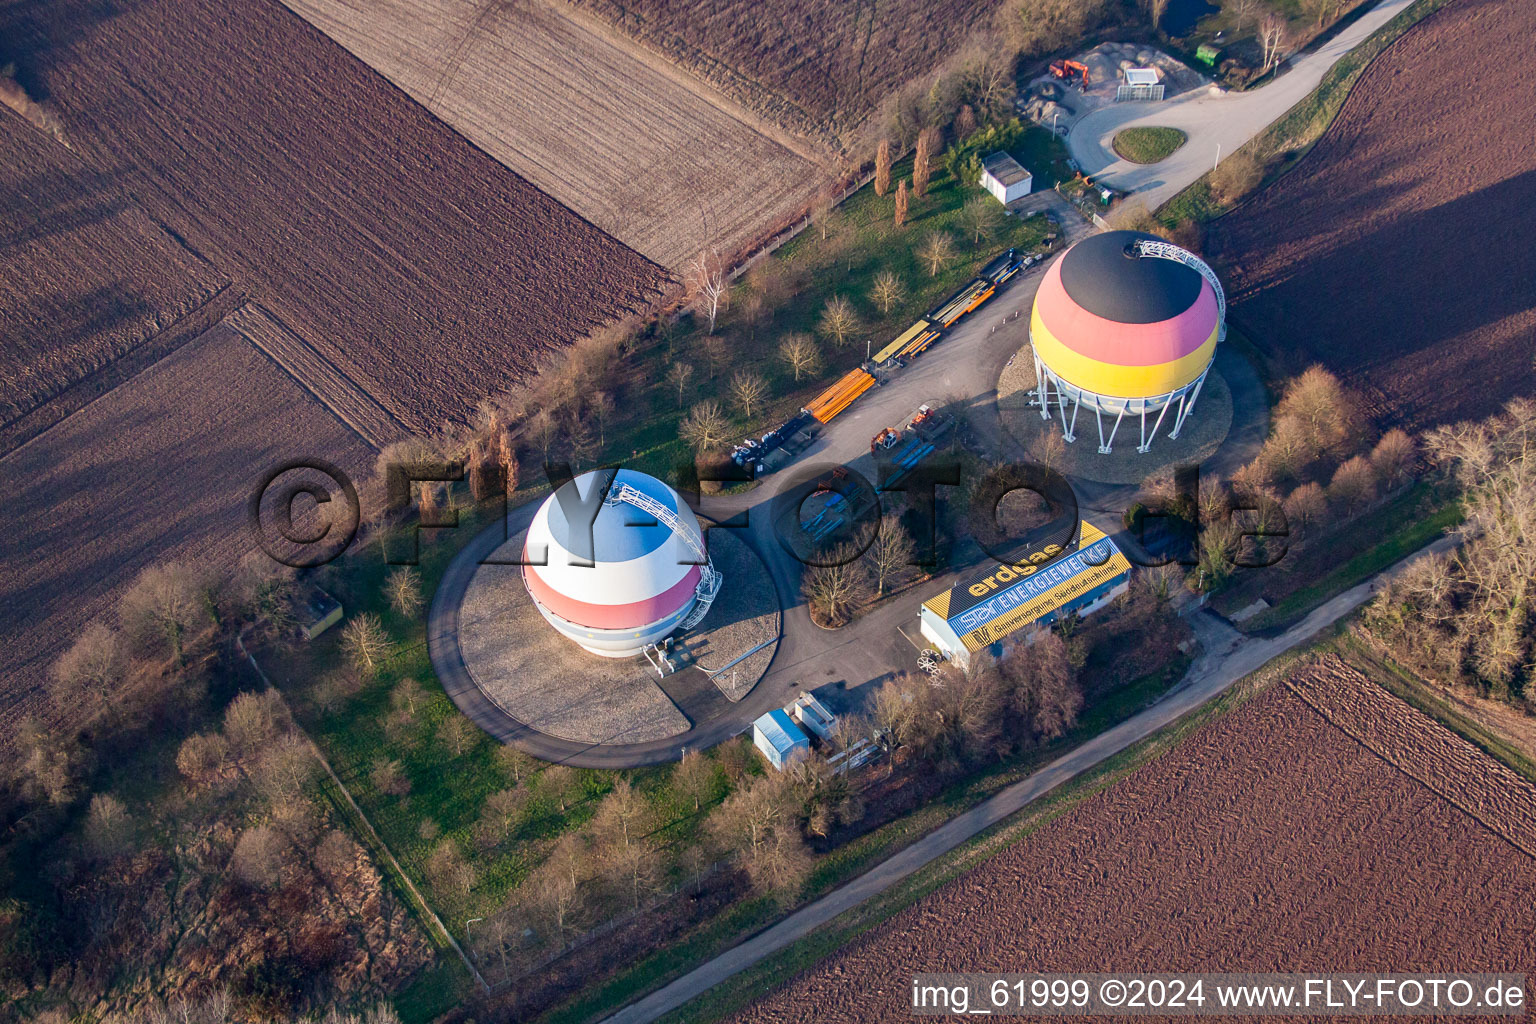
(518, 765)
(1354, 483)
(838, 319)
(202, 757)
(890, 553)
(1393, 456)
(757, 823)
(635, 869)
(404, 588)
(251, 720)
(1272, 40)
(748, 389)
(883, 167)
(601, 403)
(1236, 176)
(801, 353)
(888, 290)
(561, 783)
(366, 642)
(165, 602)
(1305, 506)
(108, 826)
(833, 591)
(448, 869)
(1049, 449)
(259, 856)
(622, 817)
(388, 777)
(554, 900)
(937, 250)
(506, 807)
(456, 734)
(287, 765)
(1242, 10)
(901, 202)
(981, 217)
(694, 778)
(545, 429)
(678, 375)
(90, 672)
(705, 428)
(1045, 693)
(706, 282)
(965, 122)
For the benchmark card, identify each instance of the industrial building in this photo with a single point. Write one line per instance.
(1005, 178)
(638, 575)
(1124, 327)
(986, 606)
(779, 739)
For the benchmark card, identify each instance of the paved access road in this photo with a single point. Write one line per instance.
(1209, 119)
(1226, 658)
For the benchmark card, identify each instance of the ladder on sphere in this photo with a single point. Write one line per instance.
(709, 577)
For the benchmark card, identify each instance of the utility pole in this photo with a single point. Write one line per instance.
(1218, 157)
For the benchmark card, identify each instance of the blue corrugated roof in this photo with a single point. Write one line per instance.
(781, 731)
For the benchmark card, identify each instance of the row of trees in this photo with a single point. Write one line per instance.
(1468, 618)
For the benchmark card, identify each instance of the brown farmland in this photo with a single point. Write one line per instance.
(427, 272)
(89, 278)
(158, 469)
(1398, 253)
(1324, 825)
(809, 64)
(644, 151)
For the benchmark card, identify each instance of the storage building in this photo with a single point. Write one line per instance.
(1005, 178)
(779, 739)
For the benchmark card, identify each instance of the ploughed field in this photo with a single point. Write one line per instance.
(1324, 825)
(420, 267)
(89, 278)
(159, 469)
(1398, 252)
(808, 64)
(640, 149)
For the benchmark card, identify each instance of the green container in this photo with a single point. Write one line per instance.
(1208, 54)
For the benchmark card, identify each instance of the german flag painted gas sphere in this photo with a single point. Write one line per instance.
(1124, 329)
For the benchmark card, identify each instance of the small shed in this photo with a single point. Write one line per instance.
(814, 715)
(315, 611)
(1005, 178)
(779, 739)
(1141, 76)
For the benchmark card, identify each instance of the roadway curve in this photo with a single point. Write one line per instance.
(1210, 119)
(1227, 656)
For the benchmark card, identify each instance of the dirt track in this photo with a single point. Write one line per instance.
(1268, 840)
(425, 270)
(88, 278)
(1398, 252)
(644, 152)
(159, 469)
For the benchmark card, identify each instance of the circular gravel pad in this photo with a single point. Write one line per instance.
(544, 680)
(548, 683)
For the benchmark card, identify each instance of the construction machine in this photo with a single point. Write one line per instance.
(1071, 71)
